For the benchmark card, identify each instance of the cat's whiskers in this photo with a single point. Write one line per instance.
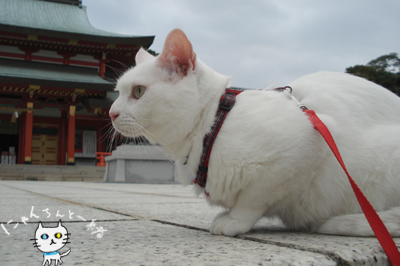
(109, 132)
(144, 131)
(149, 136)
(117, 71)
(122, 64)
(130, 127)
(136, 131)
(110, 144)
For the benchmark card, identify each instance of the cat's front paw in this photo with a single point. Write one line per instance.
(224, 224)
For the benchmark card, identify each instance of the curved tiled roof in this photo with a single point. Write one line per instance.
(57, 20)
(43, 74)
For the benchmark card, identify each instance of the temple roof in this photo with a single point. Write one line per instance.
(70, 2)
(44, 74)
(58, 19)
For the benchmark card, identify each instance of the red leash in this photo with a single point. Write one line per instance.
(380, 231)
(226, 103)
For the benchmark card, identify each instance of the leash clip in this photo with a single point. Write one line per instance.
(288, 90)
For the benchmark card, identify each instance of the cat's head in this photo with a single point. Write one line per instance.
(50, 239)
(159, 98)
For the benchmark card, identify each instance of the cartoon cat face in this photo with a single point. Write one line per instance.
(50, 239)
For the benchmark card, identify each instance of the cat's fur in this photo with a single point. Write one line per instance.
(268, 160)
(50, 240)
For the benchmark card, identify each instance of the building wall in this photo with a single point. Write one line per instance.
(12, 135)
(52, 57)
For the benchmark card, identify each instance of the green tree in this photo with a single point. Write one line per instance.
(384, 70)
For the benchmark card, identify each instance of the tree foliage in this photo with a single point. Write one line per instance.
(384, 70)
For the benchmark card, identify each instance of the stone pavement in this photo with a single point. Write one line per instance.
(142, 224)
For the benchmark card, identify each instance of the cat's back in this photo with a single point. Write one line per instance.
(342, 95)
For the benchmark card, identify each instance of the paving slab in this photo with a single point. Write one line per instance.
(345, 250)
(16, 203)
(159, 225)
(171, 203)
(149, 243)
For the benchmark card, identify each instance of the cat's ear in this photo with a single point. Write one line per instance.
(142, 56)
(178, 53)
(59, 224)
(40, 226)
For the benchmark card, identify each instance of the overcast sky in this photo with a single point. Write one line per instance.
(260, 42)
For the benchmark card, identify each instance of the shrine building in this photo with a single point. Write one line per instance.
(57, 75)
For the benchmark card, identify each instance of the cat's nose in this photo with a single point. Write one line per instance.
(113, 115)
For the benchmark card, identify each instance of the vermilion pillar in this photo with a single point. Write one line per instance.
(102, 64)
(71, 136)
(102, 68)
(28, 52)
(62, 160)
(28, 134)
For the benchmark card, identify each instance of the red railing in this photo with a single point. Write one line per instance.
(100, 158)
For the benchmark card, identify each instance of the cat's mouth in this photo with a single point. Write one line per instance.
(124, 132)
(132, 132)
(52, 242)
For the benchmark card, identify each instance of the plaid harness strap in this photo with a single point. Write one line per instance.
(226, 103)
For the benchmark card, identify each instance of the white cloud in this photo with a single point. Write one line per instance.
(259, 41)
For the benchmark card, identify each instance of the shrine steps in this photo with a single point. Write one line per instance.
(51, 173)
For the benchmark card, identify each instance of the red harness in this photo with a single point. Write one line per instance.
(226, 103)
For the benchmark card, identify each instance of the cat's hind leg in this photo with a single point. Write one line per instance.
(357, 224)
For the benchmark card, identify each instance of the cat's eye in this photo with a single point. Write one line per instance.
(138, 91)
(58, 235)
(44, 236)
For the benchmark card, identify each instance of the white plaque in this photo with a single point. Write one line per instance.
(89, 142)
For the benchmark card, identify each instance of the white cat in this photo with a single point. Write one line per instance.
(50, 240)
(268, 160)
